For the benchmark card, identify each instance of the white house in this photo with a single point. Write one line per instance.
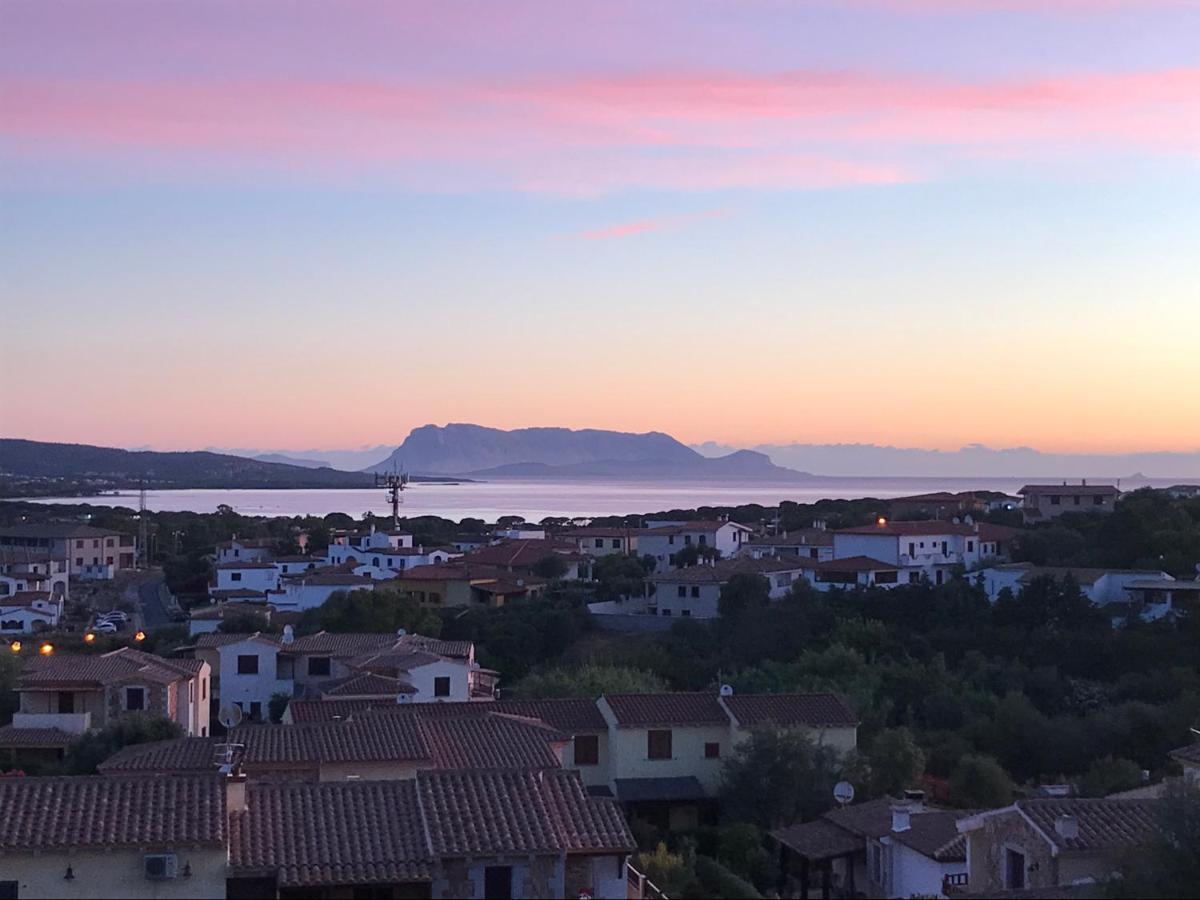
(388, 562)
(245, 550)
(255, 576)
(695, 591)
(600, 540)
(309, 591)
(812, 543)
(929, 549)
(24, 612)
(662, 540)
(1151, 593)
(366, 539)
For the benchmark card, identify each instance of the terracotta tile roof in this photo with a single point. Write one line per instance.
(522, 552)
(1104, 825)
(690, 528)
(489, 742)
(366, 684)
(1189, 754)
(497, 813)
(102, 812)
(246, 564)
(568, 715)
(52, 531)
(679, 708)
(787, 710)
(308, 711)
(13, 737)
(985, 531)
(51, 673)
(724, 569)
(932, 832)
(177, 756)
(455, 649)
(601, 531)
(25, 599)
(332, 833)
(805, 537)
(818, 840)
(333, 580)
(344, 644)
(401, 660)
(850, 564)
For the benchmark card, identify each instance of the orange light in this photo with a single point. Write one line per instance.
(46, 649)
(15, 646)
(88, 638)
(140, 636)
(881, 521)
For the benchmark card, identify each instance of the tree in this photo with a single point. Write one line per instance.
(379, 611)
(89, 750)
(979, 781)
(618, 576)
(778, 777)
(551, 566)
(1110, 775)
(692, 554)
(10, 672)
(277, 705)
(588, 681)
(246, 623)
(896, 762)
(1169, 865)
(743, 593)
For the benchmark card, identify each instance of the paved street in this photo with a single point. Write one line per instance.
(154, 612)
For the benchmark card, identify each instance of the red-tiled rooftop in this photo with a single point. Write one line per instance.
(680, 708)
(850, 564)
(521, 552)
(787, 710)
(106, 813)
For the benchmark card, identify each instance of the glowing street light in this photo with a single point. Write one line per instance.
(46, 649)
(881, 521)
(140, 636)
(89, 638)
(15, 646)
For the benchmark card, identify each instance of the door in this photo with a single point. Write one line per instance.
(497, 883)
(66, 702)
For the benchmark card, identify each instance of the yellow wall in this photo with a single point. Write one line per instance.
(629, 760)
(118, 873)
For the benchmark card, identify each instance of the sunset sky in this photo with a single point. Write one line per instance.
(320, 224)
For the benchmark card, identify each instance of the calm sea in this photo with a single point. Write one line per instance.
(538, 499)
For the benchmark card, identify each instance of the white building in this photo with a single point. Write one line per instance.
(927, 549)
(695, 591)
(387, 562)
(255, 576)
(309, 591)
(662, 540)
(811, 543)
(24, 612)
(604, 540)
(1150, 593)
(366, 539)
(238, 549)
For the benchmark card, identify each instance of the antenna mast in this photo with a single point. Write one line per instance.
(143, 526)
(395, 482)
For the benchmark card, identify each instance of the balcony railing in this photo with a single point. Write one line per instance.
(71, 723)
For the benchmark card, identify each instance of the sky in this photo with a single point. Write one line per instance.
(924, 223)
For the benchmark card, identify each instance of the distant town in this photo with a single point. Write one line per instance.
(949, 694)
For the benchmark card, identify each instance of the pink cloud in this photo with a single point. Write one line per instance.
(643, 226)
(686, 131)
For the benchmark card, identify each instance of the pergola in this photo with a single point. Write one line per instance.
(814, 846)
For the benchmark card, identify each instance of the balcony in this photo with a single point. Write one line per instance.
(71, 723)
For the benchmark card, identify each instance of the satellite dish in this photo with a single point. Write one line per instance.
(230, 715)
(727, 690)
(843, 792)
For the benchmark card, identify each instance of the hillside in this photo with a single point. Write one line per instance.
(103, 468)
(480, 452)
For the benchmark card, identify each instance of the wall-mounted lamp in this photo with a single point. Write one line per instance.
(70, 876)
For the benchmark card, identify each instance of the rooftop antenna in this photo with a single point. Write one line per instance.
(395, 482)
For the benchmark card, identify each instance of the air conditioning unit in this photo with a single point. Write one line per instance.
(161, 866)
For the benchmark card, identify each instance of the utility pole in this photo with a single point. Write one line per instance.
(143, 527)
(395, 484)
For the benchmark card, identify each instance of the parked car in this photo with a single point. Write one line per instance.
(114, 615)
(105, 628)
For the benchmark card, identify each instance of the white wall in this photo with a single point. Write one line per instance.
(253, 579)
(245, 689)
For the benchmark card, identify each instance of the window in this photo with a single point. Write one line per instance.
(95, 560)
(876, 863)
(685, 612)
(318, 665)
(687, 538)
(670, 538)
(666, 612)
(616, 544)
(441, 686)
(703, 540)
(135, 698)
(108, 542)
(95, 544)
(914, 577)
(886, 577)
(1097, 500)
(375, 561)
(587, 750)
(204, 689)
(497, 882)
(247, 665)
(1055, 500)
(682, 591)
(235, 576)
(66, 702)
(1077, 499)
(912, 549)
(1014, 869)
(970, 546)
(658, 744)
(108, 560)
(696, 591)
(255, 710)
(8, 890)
(79, 545)
(712, 750)
(79, 560)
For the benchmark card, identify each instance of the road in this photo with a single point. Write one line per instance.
(154, 611)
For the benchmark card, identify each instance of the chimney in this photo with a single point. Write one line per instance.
(289, 634)
(915, 800)
(421, 549)
(235, 792)
(1067, 827)
(901, 817)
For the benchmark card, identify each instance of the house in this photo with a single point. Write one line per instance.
(38, 570)
(387, 562)
(524, 557)
(465, 543)
(378, 748)
(660, 755)
(366, 539)
(89, 836)
(465, 583)
(1189, 758)
(254, 667)
(246, 575)
(851, 572)
(1039, 844)
(604, 540)
(25, 612)
(72, 695)
(695, 591)
(469, 834)
(245, 550)
(91, 553)
(1043, 502)
(881, 848)
(948, 505)
(812, 543)
(312, 589)
(520, 531)
(296, 564)
(930, 550)
(1148, 593)
(662, 540)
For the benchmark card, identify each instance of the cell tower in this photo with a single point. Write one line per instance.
(395, 482)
